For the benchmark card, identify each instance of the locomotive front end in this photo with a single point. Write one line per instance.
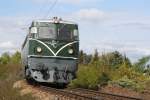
(53, 48)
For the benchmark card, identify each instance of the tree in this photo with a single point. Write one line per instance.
(16, 57)
(5, 58)
(114, 59)
(81, 57)
(141, 64)
(95, 57)
(88, 59)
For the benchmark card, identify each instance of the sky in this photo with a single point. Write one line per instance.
(106, 25)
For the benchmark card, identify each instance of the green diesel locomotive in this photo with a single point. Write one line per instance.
(50, 51)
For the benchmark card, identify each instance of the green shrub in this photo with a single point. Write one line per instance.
(111, 68)
(89, 77)
(128, 77)
(129, 83)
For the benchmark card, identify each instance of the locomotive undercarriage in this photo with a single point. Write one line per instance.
(51, 70)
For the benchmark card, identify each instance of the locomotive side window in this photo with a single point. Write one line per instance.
(76, 34)
(33, 32)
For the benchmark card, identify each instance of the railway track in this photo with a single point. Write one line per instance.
(66, 94)
(84, 94)
(103, 96)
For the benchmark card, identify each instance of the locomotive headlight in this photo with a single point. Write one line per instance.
(39, 49)
(70, 51)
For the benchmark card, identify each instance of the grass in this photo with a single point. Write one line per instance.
(8, 75)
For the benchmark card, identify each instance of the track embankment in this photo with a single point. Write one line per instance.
(48, 93)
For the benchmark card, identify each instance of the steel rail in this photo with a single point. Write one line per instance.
(98, 94)
(67, 94)
(82, 94)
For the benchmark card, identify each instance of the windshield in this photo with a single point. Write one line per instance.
(47, 32)
(57, 31)
(66, 31)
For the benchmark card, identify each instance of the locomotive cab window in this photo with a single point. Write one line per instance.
(59, 31)
(48, 31)
(67, 32)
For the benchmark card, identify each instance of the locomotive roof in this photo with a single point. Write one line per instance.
(53, 21)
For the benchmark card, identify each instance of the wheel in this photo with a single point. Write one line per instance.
(62, 85)
(28, 77)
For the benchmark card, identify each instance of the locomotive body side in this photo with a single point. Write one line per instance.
(51, 60)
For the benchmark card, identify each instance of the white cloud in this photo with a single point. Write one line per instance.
(91, 15)
(7, 45)
(12, 24)
(11, 29)
(124, 32)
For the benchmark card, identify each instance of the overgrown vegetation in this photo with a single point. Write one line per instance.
(112, 68)
(94, 71)
(10, 72)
